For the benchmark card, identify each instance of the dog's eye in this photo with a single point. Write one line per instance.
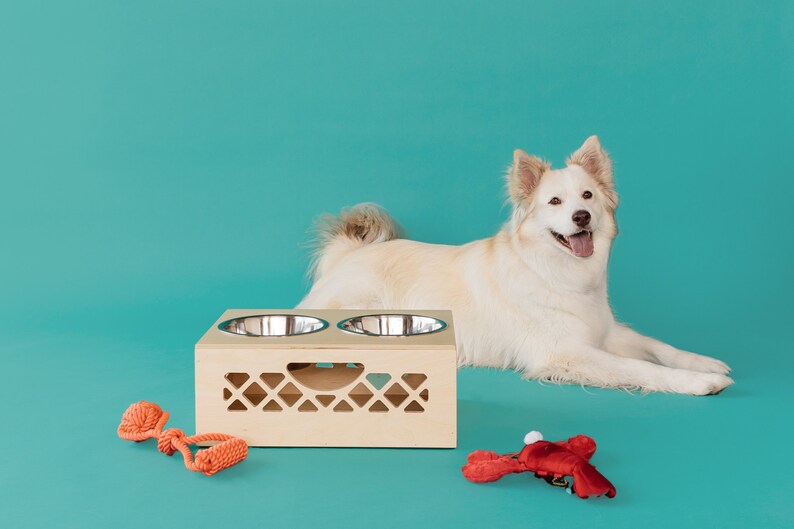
(587, 194)
(555, 201)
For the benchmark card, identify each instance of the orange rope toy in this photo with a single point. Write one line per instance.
(145, 420)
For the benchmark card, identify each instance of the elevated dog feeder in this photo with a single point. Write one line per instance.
(329, 378)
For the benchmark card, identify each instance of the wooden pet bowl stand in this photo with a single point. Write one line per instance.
(298, 378)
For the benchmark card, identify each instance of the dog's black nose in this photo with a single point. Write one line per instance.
(581, 218)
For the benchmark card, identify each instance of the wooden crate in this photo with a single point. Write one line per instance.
(329, 387)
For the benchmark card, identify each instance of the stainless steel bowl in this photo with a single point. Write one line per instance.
(392, 325)
(273, 325)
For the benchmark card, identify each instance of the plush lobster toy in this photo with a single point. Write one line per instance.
(551, 461)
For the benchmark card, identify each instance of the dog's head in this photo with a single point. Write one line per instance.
(571, 209)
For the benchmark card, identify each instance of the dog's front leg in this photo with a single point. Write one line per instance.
(588, 365)
(624, 341)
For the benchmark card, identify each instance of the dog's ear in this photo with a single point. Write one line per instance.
(592, 158)
(524, 175)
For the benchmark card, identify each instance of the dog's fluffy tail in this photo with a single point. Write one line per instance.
(336, 236)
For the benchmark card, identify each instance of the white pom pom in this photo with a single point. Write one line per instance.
(533, 437)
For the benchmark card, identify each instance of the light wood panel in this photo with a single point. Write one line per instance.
(329, 388)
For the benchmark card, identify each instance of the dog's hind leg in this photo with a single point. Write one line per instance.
(587, 365)
(624, 341)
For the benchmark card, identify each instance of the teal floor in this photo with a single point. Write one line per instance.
(676, 461)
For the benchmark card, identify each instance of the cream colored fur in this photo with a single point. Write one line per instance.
(521, 299)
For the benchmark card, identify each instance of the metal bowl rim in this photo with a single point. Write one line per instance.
(323, 325)
(439, 320)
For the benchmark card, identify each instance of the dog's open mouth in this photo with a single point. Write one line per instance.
(580, 244)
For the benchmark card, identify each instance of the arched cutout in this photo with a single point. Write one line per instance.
(319, 376)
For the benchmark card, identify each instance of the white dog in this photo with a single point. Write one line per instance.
(533, 297)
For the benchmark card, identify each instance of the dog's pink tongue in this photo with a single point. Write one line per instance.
(581, 244)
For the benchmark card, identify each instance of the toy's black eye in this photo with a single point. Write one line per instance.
(555, 201)
(587, 194)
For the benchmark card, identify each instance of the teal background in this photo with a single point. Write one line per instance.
(162, 161)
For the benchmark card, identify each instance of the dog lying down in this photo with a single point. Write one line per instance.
(533, 297)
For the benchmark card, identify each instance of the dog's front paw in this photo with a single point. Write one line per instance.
(707, 384)
(707, 364)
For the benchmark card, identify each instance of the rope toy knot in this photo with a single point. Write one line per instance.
(223, 455)
(145, 420)
(171, 440)
(142, 420)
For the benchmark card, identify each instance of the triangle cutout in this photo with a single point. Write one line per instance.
(237, 379)
(414, 379)
(414, 407)
(378, 407)
(378, 380)
(272, 406)
(425, 394)
(272, 379)
(237, 406)
(325, 400)
(226, 394)
(307, 406)
(343, 406)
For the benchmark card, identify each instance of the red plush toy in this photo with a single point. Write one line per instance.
(548, 460)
